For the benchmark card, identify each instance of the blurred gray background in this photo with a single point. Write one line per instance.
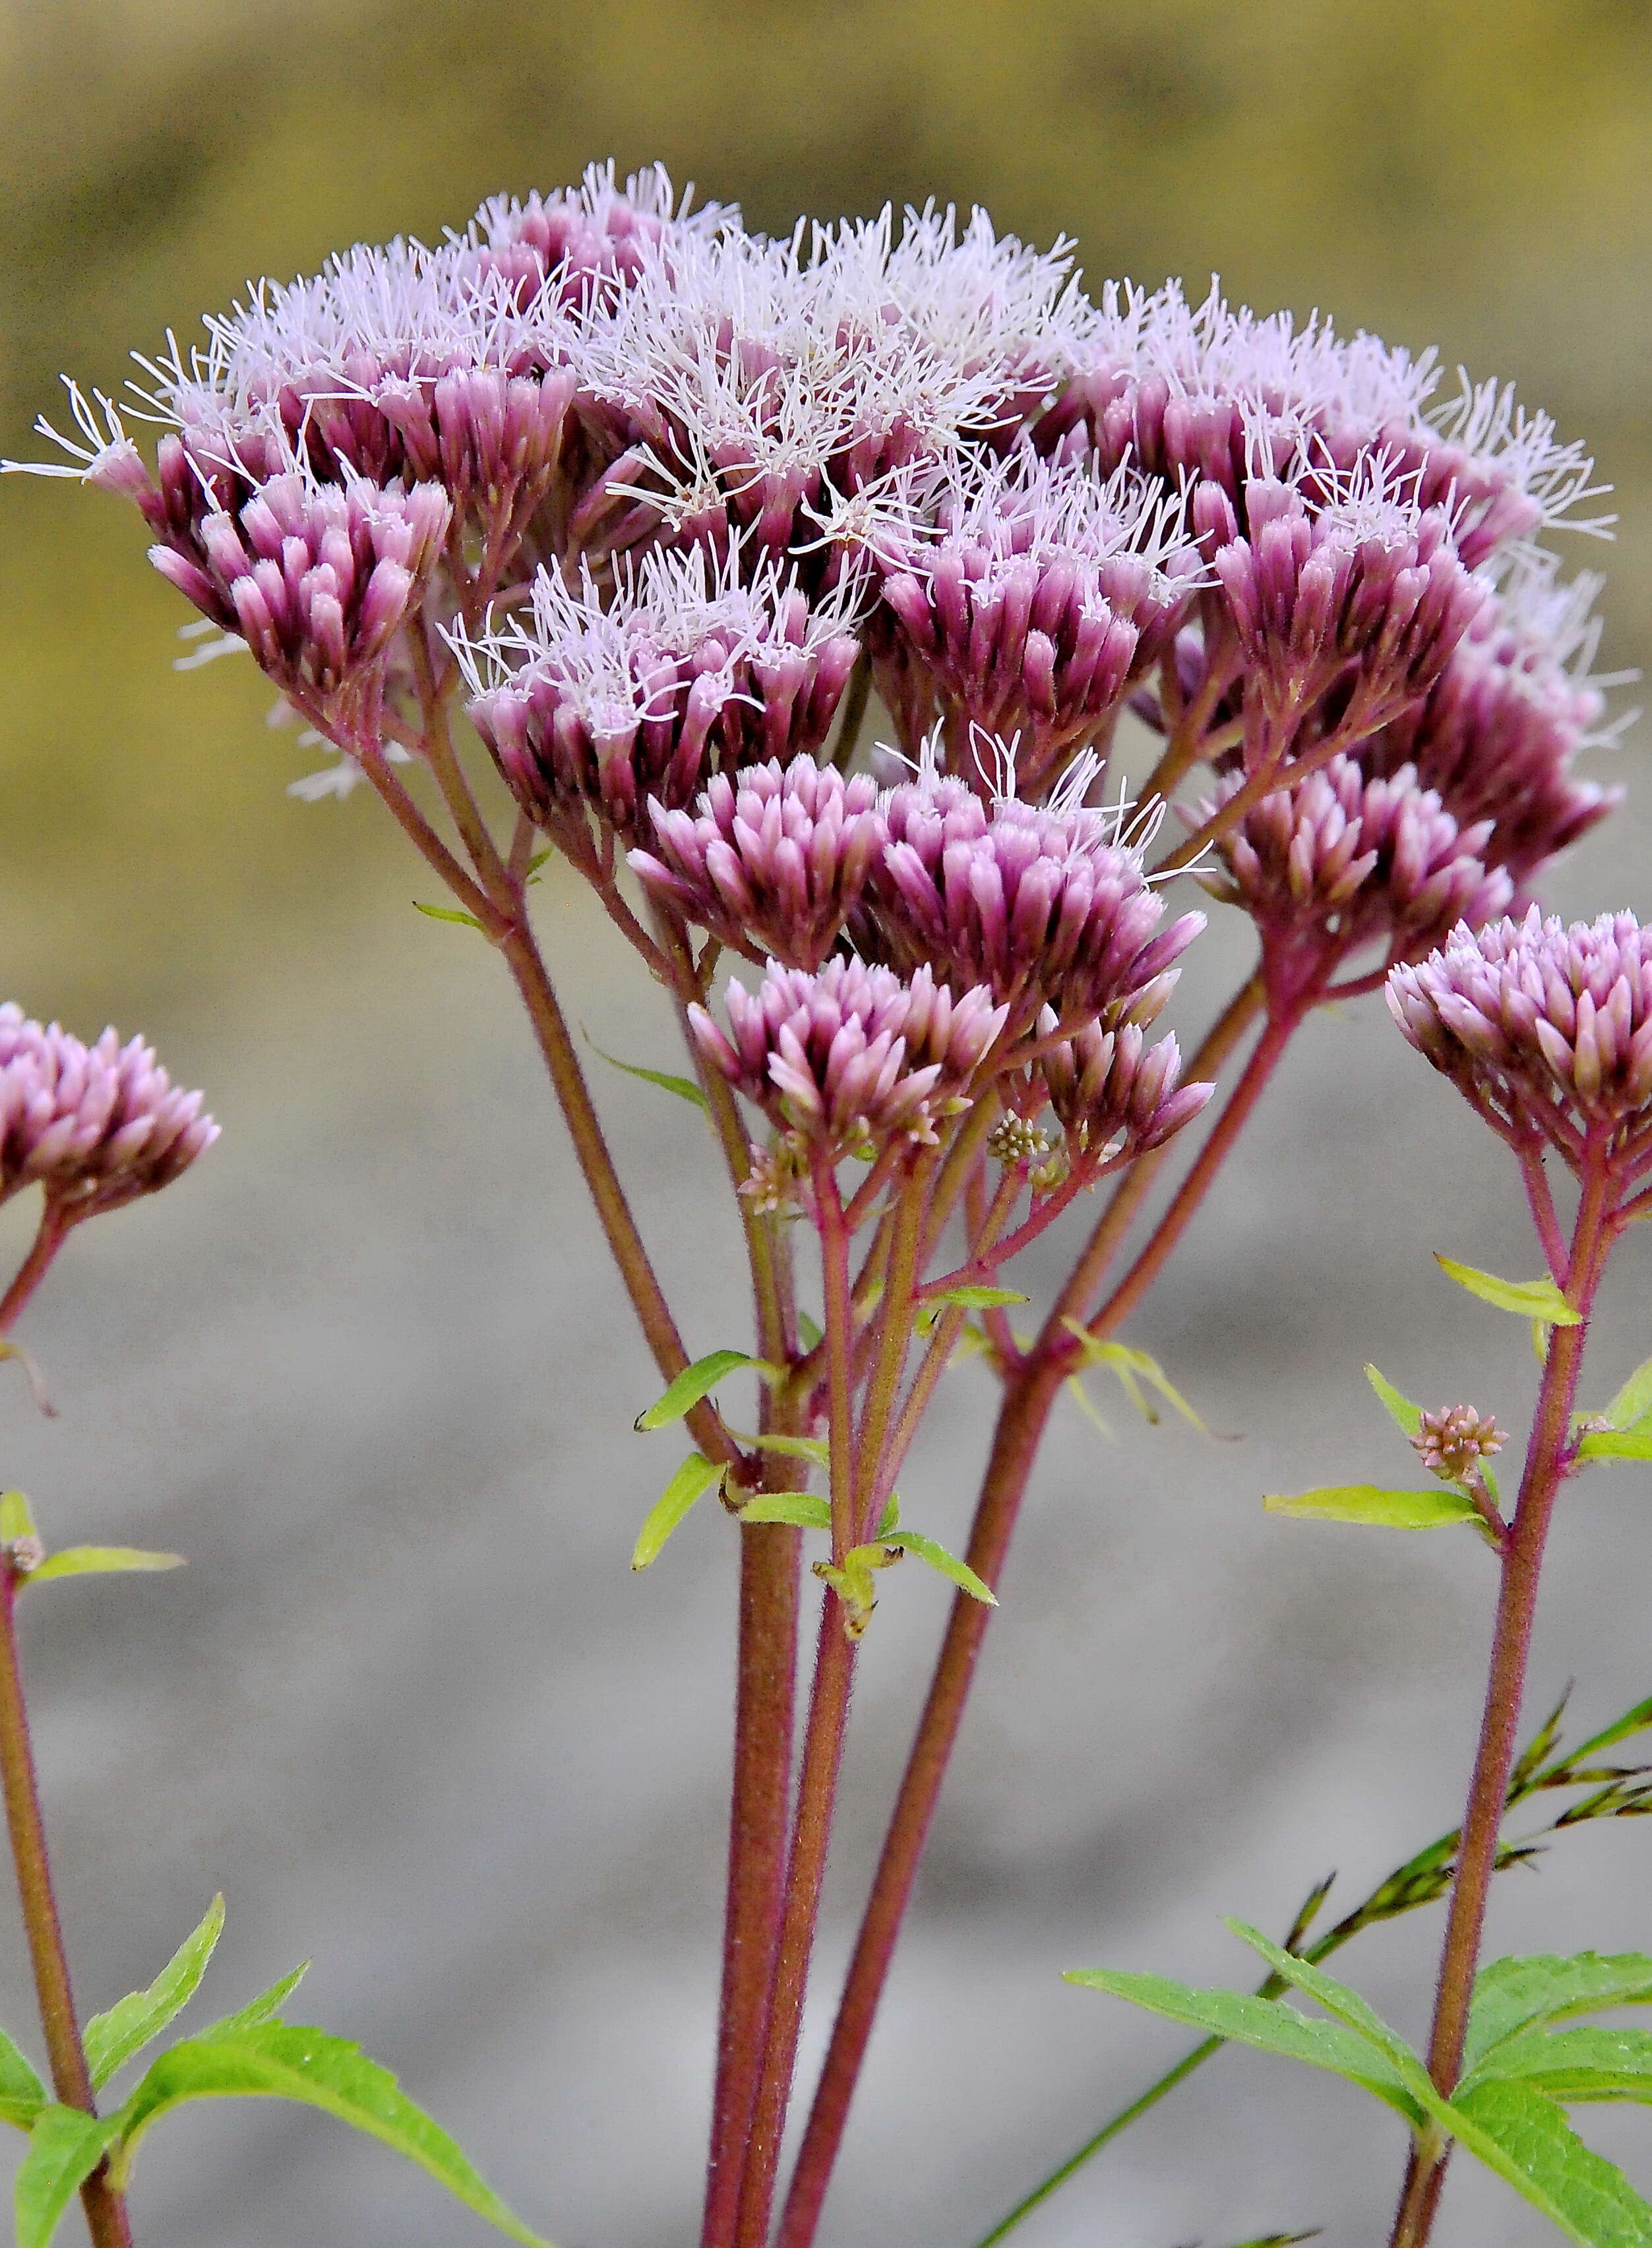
(367, 1369)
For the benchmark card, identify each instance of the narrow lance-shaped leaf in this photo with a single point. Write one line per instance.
(266, 2007)
(100, 1561)
(1389, 1509)
(113, 2038)
(696, 1382)
(796, 1448)
(804, 1509)
(16, 1519)
(65, 2147)
(1132, 1367)
(691, 1482)
(684, 1087)
(1530, 1299)
(1616, 1445)
(22, 2093)
(971, 1296)
(1633, 1402)
(1405, 1416)
(930, 1551)
(447, 912)
(318, 2071)
(1339, 2000)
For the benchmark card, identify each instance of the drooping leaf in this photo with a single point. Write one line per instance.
(113, 2038)
(16, 1519)
(1528, 2142)
(1267, 2024)
(447, 912)
(1365, 1502)
(100, 1561)
(318, 2071)
(1633, 1402)
(1404, 1415)
(691, 1482)
(266, 2007)
(1575, 2064)
(804, 1509)
(1511, 1995)
(694, 1382)
(1616, 1445)
(1347, 2006)
(1529, 1299)
(65, 2147)
(969, 1297)
(936, 1555)
(1132, 1367)
(22, 2093)
(684, 1087)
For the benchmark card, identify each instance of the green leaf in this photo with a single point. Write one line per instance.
(1267, 2024)
(1404, 1415)
(1575, 2064)
(927, 1549)
(811, 1334)
(691, 1482)
(801, 1508)
(796, 1448)
(266, 2007)
(1512, 1995)
(328, 2072)
(1132, 1367)
(1633, 1402)
(1347, 2006)
(1616, 1445)
(1530, 1299)
(972, 1298)
(694, 1382)
(1528, 2142)
(1281, 2240)
(1365, 1501)
(447, 912)
(100, 1561)
(113, 2038)
(22, 2093)
(684, 1087)
(65, 2147)
(16, 1519)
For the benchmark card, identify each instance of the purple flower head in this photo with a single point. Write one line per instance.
(1045, 905)
(850, 1059)
(774, 858)
(1546, 1028)
(1498, 730)
(1114, 1094)
(594, 240)
(686, 672)
(1339, 861)
(1366, 593)
(93, 1126)
(1029, 604)
(318, 580)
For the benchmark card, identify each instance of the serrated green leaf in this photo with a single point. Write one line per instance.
(22, 2093)
(691, 1482)
(447, 912)
(1528, 2142)
(1616, 1445)
(937, 1557)
(1633, 1402)
(803, 1509)
(694, 1382)
(112, 2038)
(1347, 2006)
(65, 2147)
(318, 2071)
(266, 2007)
(100, 1561)
(1529, 1299)
(684, 1087)
(1365, 1502)
(970, 1298)
(1512, 1995)
(1267, 2024)
(1404, 1415)
(16, 1519)
(1575, 2064)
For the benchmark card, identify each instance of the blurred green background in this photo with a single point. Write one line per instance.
(366, 1368)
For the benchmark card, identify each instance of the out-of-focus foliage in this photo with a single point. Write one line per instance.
(1457, 173)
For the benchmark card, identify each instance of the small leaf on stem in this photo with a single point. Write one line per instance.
(1530, 1299)
(1633, 1402)
(684, 1087)
(16, 1519)
(1405, 1416)
(447, 912)
(266, 2007)
(64, 2147)
(1365, 1501)
(114, 2036)
(100, 1561)
(691, 1482)
(696, 1382)
(936, 1555)
(969, 1297)
(22, 2093)
(803, 1509)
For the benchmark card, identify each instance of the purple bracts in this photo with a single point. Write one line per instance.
(850, 1059)
(1546, 1029)
(94, 1126)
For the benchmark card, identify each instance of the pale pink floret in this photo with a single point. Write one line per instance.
(851, 1059)
(1113, 1093)
(94, 1126)
(1546, 1029)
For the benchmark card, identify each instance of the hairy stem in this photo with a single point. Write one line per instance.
(105, 2209)
(1547, 1462)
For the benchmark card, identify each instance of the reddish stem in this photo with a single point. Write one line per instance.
(50, 1236)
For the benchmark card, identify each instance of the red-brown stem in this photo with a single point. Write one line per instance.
(1029, 1395)
(50, 1236)
(1547, 1462)
(71, 2081)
